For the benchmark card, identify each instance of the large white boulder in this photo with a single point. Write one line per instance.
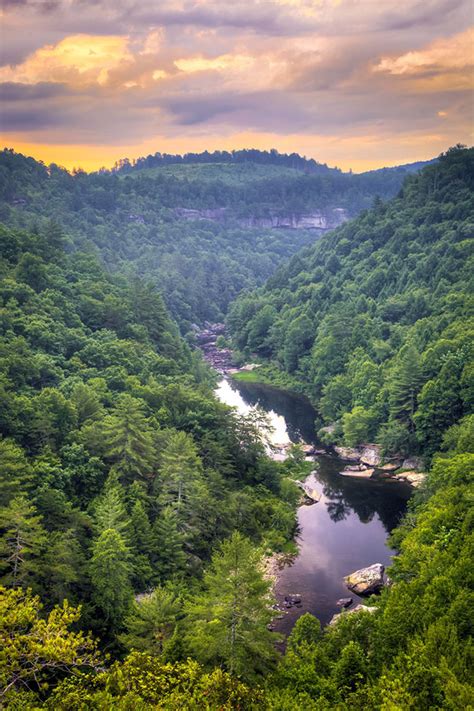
(366, 580)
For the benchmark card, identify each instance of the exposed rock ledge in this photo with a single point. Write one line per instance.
(314, 220)
(367, 461)
(368, 454)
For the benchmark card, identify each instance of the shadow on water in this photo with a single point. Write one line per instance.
(346, 530)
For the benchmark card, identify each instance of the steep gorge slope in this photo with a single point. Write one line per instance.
(374, 322)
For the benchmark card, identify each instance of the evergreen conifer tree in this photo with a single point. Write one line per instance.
(228, 623)
(110, 575)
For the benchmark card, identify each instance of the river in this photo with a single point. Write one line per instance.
(346, 530)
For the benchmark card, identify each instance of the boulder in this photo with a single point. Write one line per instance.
(366, 580)
(307, 448)
(414, 463)
(293, 599)
(312, 495)
(370, 455)
(349, 453)
(358, 608)
(390, 467)
(416, 479)
(344, 602)
(358, 473)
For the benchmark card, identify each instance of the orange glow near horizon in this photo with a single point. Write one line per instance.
(345, 154)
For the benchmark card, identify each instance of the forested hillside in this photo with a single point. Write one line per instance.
(374, 322)
(120, 470)
(138, 219)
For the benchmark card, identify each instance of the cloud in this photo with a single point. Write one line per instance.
(131, 72)
(76, 59)
(443, 54)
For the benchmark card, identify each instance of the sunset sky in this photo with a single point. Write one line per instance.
(354, 83)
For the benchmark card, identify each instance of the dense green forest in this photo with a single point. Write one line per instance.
(374, 322)
(136, 509)
(120, 470)
(133, 217)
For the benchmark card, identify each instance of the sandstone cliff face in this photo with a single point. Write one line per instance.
(315, 220)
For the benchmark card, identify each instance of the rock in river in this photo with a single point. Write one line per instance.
(344, 602)
(358, 472)
(358, 608)
(416, 479)
(366, 580)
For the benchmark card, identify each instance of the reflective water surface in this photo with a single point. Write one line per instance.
(346, 530)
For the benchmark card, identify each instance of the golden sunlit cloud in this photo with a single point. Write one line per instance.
(237, 62)
(76, 59)
(452, 53)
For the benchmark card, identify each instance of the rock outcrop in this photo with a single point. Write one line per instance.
(311, 495)
(358, 608)
(390, 467)
(320, 220)
(415, 463)
(349, 453)
(370, 455)
(344, 602)
(366, 580)
(415, 479)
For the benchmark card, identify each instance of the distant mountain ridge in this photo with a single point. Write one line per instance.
(272, 157)
(201, 232)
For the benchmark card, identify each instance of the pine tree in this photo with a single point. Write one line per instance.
(180, 473)
(228, 623)
(128, 440)
(62, 566)
(110, 575)
(141, 539)
(168, 555)
(151, 621)
(405, 385)
(110, 511)
(16, 471)
(21, 542)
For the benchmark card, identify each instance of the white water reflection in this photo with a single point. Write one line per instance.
(228, 393)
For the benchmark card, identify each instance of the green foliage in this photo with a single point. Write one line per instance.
(120, 470)
(110, 577)
(38, 650)
(151, 621)
(228, 622)
(142, 221)
(374, 321)
(144, 682)
(23, 537)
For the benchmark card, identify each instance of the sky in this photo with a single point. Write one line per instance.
(355, 83)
